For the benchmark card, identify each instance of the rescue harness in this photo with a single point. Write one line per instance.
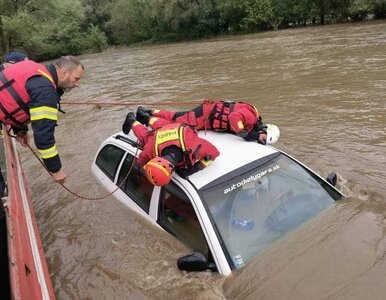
(174, 135)
(218, 118)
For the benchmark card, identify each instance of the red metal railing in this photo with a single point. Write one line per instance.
(29, 274)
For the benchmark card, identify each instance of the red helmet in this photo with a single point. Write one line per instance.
(159, 171)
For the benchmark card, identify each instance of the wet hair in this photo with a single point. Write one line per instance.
(68, 62)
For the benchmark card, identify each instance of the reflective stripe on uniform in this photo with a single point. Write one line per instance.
(46, 75)
(153, 120)
(44, 112)
(240, 124)
(181, 138)
(163, 136)
(48, 153)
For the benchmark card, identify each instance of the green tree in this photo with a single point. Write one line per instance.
(47, 28)
(231, 14)
(98, 13)
(247, 15)
(259, 13)
(130, 21)
(185, 19)
(358, 9)
(380, 8)
(159, 20)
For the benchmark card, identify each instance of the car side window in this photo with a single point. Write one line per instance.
(136, 186)
(177, 216)
(108, 160)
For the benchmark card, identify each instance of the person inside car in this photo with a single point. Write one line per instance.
(168, 148)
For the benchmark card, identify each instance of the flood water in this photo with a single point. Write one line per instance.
(325, 87)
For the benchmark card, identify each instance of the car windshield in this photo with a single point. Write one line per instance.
(256, 205)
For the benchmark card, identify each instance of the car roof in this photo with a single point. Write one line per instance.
(234, 153)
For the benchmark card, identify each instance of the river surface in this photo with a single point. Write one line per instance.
(325, 87)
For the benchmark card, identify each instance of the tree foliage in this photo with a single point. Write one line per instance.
(50, 28)
(46, 29)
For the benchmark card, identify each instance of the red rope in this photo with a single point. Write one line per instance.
(81, 196)
(153, 104)
(133, 103)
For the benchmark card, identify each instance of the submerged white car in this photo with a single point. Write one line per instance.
(247, 199)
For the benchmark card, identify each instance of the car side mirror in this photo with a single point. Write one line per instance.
(195, 262)
(332, 178)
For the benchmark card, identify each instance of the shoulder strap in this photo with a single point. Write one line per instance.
(185, 152)
(11, 90)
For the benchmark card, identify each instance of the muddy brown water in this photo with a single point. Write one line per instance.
(325, 87)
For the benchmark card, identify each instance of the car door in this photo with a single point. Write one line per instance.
(177, 216)
(133, 182)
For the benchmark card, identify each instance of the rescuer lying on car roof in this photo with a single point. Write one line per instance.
(238, 118)
(168, 148)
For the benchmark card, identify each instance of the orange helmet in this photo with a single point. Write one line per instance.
(159, 171)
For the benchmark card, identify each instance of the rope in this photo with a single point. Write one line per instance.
(81, 196)
(148, 103)
(165, 103)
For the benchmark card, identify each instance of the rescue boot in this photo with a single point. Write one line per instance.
(130, 119)
(144, 109)
(143, 115)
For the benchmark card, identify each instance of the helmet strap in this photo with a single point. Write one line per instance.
(170, 157)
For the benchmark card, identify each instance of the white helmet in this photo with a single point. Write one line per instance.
(273, 134)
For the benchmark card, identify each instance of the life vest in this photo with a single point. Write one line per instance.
(219, 116)
(173, 135)
(14, 99)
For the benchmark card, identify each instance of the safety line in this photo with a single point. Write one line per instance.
(81, 196)
(137, 103)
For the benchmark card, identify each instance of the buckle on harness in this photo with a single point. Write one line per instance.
(228, 102)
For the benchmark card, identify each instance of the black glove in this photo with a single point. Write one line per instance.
(130, 119)
(254, 135)
(185, 173)
(20, 131)
(259, 125)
